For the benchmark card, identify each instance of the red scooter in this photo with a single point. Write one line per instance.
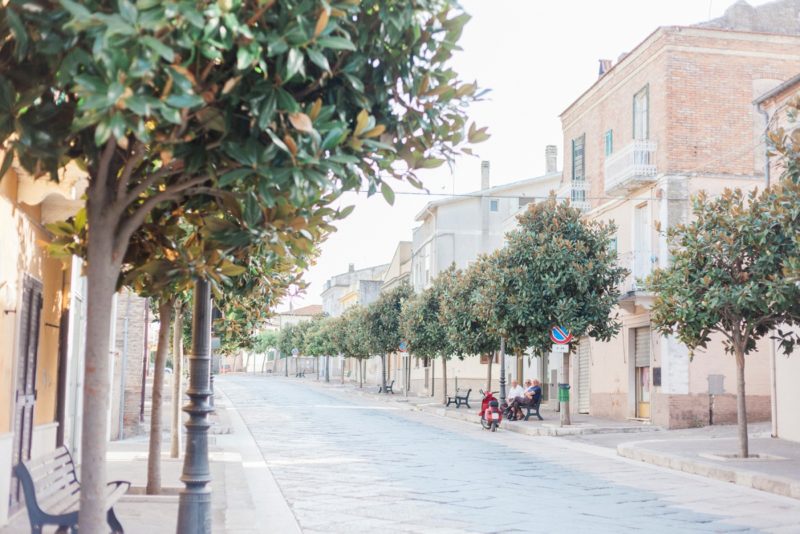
(490, 411)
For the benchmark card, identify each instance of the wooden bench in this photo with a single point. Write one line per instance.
(459, 399)
(52, 492)
(534, 408)
(389, 387)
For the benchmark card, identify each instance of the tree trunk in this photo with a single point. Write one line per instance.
(247, 363)
(741, 405)
(444, 380)
(102, 272)
(327, 368)
(489, 372)
(177, 384)
(343, 362)
(433, 377)
(383, 373)
(565, 416)
(165, 310)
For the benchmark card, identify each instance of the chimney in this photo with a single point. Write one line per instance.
(351, 267)
(551, 158)
(605, 66)
(485, 184)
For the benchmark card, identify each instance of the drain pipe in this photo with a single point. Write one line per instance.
(773, 381)
(123, 365)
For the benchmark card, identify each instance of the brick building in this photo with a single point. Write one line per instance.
(672, 117)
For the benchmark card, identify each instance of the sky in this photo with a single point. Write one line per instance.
(536, 57)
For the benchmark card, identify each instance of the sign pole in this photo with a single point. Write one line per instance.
(563, 390)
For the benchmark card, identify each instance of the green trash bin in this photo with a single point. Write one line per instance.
(563, 393)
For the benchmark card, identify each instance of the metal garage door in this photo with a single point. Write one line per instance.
(584, 363)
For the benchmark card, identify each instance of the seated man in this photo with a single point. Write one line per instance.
(520, 400)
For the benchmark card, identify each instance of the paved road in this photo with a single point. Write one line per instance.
(348, 463)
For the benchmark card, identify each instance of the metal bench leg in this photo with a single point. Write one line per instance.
(113, 522)
(467, 403)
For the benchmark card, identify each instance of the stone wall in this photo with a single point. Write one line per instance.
(690, 411)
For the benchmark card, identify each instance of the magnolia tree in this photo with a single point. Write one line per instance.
(727, 276)
(285, 104)
(559, 270)
(352, 338)
(422, 327)
(383, 325)
(466, 328)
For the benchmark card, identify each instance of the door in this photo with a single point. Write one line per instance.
(584, 363)
(642, 371)
(25, 394)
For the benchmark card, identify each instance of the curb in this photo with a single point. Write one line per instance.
(772, 484)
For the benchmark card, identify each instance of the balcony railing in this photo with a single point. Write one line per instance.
(631, 167)
(578, 195)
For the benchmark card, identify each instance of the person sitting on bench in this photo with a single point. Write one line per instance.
(515, 391)
(533, 393)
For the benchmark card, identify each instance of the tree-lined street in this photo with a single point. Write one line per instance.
(347, 463)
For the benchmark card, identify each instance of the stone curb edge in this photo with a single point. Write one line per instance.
(772, 484)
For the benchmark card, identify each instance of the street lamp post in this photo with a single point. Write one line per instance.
(502, 370)
(194, 505)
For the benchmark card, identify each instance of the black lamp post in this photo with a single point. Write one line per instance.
(502, 370)
(194, 505)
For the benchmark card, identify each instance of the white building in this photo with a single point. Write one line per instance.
(353, 287)
(457, 230)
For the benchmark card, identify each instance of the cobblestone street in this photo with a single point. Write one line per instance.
(352, 464)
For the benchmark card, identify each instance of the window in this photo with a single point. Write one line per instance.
(494, 205)
(609, 142)
(578, 157)
(641, 114)
(577, 195)
(524, 201)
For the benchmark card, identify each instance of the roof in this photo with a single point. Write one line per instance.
(795, 80)
(485, 192)
(311, 309)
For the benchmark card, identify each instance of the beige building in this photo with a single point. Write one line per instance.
(671, 118)
(784, 370)
(40, 326)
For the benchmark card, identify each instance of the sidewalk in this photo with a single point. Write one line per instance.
(238, 472)
(702, 451)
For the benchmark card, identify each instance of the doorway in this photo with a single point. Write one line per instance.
(25, 386)
(642, 371)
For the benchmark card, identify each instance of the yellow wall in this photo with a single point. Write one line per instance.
(20, 243)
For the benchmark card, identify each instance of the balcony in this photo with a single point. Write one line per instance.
(578, 193)
(640, 265)
(631, 167)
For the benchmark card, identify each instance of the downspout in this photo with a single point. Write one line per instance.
(145, 358)
(123, 365)
(773, 381)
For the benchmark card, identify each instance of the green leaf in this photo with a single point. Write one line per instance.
(294, 63)
(319, 59)
(184, 101)
(336, 43)
(387, 193)
(333, 138)
(80, 219)
(158, 47)
(233, 176)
